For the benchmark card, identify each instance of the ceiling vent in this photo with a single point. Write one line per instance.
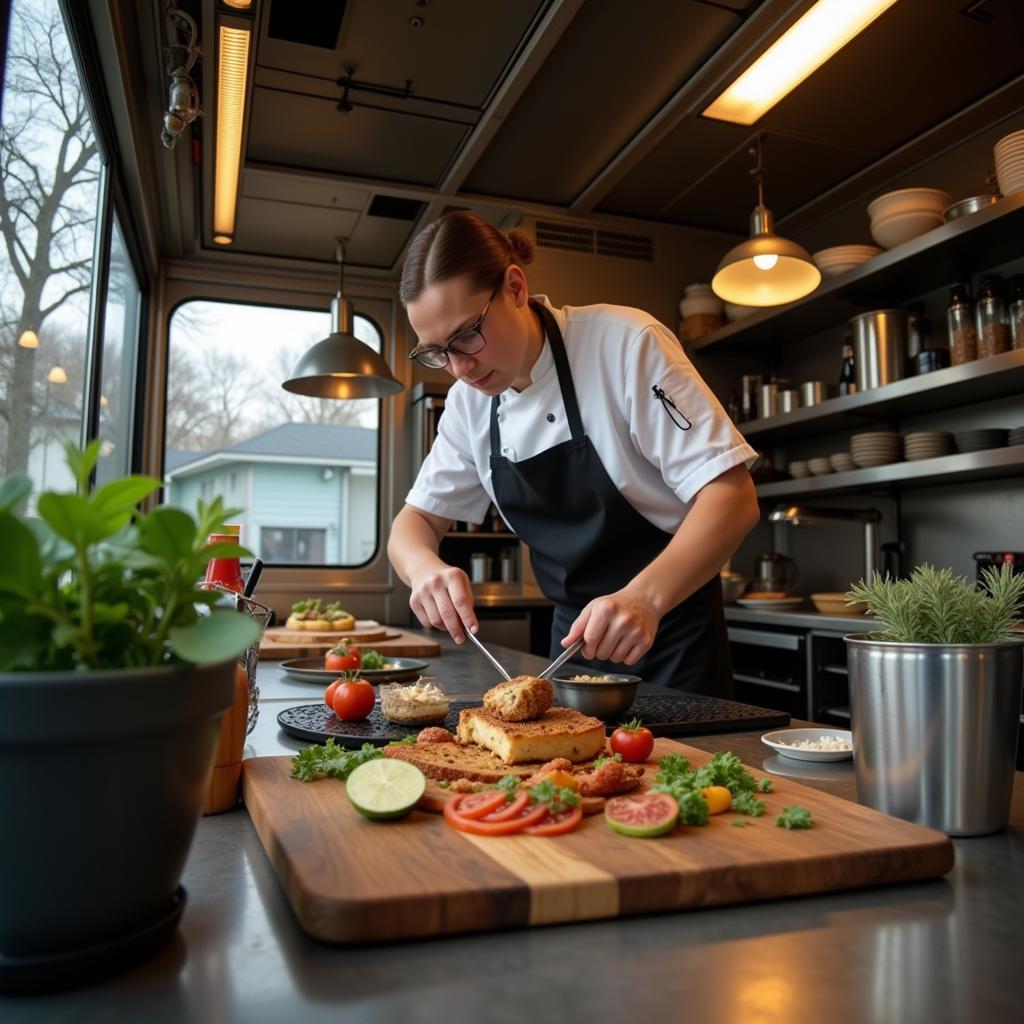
(601, 242)
(308, 24)
(395, 208)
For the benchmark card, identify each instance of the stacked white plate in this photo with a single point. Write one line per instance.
(899, 216)
(1009, 154)
(842, 462)
(841, 258)
(799, 469)
(1016, 436)
(982, 440)
(819, 467)
(927, 444)
(876, 448)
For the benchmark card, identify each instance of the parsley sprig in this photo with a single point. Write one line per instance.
(679, 779)
(558, 798)
(794, 817)
(318, 762)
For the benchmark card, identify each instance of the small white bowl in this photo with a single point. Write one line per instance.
(909, 200)
(781, 739)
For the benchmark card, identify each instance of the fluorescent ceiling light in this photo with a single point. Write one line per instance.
(239, 5)
(232, 69)
(824, 30)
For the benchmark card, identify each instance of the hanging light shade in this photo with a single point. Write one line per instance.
(342, 366)
(765, 270)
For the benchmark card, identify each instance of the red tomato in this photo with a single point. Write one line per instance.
(633, 742)
(353, 699)
(476, 805)
(556, 824)
(491, 828)
(511, 810)
(342, 658)
(329, 692)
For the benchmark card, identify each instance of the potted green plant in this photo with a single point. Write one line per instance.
(115, 670)
(935, 697)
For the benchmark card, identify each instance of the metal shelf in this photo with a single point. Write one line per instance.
(987, 465)
(978, 381)
(950, 253)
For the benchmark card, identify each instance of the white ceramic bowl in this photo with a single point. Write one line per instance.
(841, 258)
(1012, 143)
(1010, 181)
(698, 299)
(909, 200)
(782, 739)
(799, 469)
(899, 228)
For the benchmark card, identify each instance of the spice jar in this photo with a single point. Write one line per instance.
(1017, 311)
(990, 313)
(963, 339)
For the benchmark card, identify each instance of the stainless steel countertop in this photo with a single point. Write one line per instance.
(804, 619)
(946, 950)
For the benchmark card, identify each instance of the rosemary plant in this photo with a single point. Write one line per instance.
(936, 607)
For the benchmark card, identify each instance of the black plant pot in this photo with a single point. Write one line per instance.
(102, 780)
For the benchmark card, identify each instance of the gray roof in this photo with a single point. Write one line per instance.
(305, 442)
(311, 440)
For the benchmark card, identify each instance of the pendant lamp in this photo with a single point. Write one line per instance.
(342, 366)
(765, 270)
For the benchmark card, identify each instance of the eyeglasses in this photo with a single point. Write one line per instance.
(463, 343)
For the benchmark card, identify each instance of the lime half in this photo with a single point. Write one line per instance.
(385, 788)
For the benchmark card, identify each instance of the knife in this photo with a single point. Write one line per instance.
(486, 653)
(562, 658)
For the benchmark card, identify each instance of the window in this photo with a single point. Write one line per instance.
(120, 343)
(283, 544)
(280, 458)
(49, 188)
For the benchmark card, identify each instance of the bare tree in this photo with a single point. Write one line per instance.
(208, 401)
(49, 169)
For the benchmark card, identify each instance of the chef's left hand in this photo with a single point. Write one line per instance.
(617, 627)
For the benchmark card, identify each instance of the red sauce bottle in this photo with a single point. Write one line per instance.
(225, 572)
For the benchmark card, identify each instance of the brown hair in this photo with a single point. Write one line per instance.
(460, 243)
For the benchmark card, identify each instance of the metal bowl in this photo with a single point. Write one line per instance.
(734, 584)
(609, 697)
(972, 204)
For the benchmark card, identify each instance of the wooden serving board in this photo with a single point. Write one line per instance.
(396, 642)
(353, 880)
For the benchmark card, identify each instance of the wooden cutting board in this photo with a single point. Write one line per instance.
(278, 642)
(353, 880)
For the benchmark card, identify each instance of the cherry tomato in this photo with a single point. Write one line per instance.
(329, 692)
(342, 658)
(353, 700)
(633, 742)
(556, 824)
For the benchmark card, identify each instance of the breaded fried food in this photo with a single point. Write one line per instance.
(522, 699)
(559, 732)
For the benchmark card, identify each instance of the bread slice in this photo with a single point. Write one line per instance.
(450, 761)
(559, 732)
(519, 700)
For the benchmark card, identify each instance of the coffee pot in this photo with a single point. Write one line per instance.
(774, 572)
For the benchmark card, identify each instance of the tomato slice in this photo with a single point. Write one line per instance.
(510, 810)
(476, 805)
(491, 828)
(557, 824)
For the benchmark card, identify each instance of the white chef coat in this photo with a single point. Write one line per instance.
(616, 355)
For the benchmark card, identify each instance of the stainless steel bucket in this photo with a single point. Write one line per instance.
(935, 730)
(880, 346)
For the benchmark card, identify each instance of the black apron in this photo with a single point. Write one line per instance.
(586, 540)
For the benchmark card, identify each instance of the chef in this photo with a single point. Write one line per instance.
(601, 447)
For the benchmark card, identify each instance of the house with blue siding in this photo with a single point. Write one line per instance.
(308, 491)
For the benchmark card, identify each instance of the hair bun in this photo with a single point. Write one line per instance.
(521, 246)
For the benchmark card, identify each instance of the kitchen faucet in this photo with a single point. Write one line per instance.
(808, 515)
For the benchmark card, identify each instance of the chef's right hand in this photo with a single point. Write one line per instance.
(443, 598)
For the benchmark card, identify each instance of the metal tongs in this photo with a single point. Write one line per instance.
(562, 658)
(486, 653)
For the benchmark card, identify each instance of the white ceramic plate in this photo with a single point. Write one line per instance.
(781, 739)
(775, 602)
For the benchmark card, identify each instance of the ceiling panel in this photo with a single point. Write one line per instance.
(916, 65)
(457, 54)
(610, 71)
(725, 198)
(291, 228)
(308, 132)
